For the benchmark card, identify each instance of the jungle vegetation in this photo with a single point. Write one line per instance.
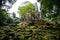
(30, 26)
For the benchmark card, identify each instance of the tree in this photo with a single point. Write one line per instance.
(50, 9)
(3, 13)
(27, 11)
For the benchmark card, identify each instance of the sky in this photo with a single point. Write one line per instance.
(17, 4)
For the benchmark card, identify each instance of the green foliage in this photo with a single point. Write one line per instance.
(3, 16)
(50, 9)
(26, 10)
(13, 21)
(42, 30)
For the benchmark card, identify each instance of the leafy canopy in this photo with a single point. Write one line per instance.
(26, 10)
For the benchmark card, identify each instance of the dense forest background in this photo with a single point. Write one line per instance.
(32, 24)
